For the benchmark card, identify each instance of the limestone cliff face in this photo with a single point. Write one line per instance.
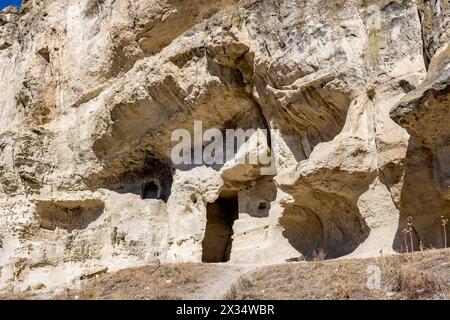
(92, 90)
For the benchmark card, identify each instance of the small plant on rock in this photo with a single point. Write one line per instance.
(410, 229)
(405, 232)
(444, 222)
(318, 256)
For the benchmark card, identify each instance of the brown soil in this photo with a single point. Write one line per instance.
(425, 276)
(168, 282)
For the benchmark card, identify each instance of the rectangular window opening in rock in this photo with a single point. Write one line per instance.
(220, 216)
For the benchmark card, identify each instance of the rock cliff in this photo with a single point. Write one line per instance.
(354, 96)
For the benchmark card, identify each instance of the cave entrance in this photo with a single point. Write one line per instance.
(220, 217)
(304, 231)
(151, 190)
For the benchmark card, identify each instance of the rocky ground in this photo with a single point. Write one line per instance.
(425, 275)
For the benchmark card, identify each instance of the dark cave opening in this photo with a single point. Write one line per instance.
(304, 231)
(219, 228)
(151, 190)
(335, 230)
(150, 180)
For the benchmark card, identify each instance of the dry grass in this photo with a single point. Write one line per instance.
(243, 287)
(425, 276)
(165, 282)
(416, 283)
(168, 282)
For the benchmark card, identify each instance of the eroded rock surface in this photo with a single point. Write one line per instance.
(91, 92)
